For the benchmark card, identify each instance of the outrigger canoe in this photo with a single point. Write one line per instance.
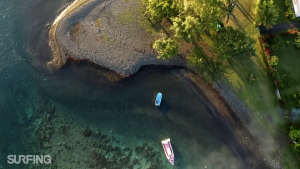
(168, 150)
(158, 99)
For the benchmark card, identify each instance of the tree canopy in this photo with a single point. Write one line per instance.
(232, 43)
(295, 135)
(267, 14)
(186, 28)
(191, 18)
(166, 48)
(207, 67)
(161, 8)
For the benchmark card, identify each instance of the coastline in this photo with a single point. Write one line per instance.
(57, 60)
(230, 117)
(105, 33)
(230, 120)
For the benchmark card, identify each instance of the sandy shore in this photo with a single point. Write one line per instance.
(106, 33)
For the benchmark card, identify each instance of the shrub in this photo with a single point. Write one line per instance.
(290, 13)
(282, 85)
(293, 31)
(274, 61)
(297, 40)
(276, 42)
(294, 96)
(251, 79)
(287, 119)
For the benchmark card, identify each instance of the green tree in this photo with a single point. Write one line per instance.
(297, 40)
(187, 28)
(208, 12)
(266, 14)
(166, 48)
(210, 69)
(232, 43)
(159, 9)
(295, 135)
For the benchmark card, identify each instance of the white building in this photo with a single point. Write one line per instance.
(296, 4)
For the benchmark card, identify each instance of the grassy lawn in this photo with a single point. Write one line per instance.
(260, 95)
(288, 72)
(282, 8)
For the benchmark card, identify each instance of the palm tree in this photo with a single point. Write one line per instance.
(266, 14)
(229, 9)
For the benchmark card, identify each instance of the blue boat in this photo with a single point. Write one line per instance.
(158, 99)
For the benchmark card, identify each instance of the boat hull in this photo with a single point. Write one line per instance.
(158, 99)
(168, 150)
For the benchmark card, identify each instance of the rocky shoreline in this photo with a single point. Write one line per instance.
(106, 33)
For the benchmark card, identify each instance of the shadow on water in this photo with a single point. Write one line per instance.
(179, 161)
(164, 108)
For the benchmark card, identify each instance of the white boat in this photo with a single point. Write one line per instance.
(158, 99)
(168, 150)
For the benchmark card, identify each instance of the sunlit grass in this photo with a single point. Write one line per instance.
(260, 95)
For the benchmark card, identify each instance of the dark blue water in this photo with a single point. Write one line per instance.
(80, 96)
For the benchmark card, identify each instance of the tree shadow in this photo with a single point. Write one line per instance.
(237, 66)
(179, 161)
(245, 12)
(156, 25)
(236, 21)
(164, 108)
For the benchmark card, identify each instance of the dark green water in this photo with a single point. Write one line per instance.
(123, 109)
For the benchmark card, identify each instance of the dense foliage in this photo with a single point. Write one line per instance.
(267, 14)
(297, 40)
(166, 48)
(290, 13)
(208, 68)
(276, 43)
(295, 135)
(188, 20)
(187, 28)
(161, 8)
(232, 43)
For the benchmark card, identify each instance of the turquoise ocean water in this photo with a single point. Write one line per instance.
(124, 109)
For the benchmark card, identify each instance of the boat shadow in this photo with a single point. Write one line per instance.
(179, 161)
(164, 108)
